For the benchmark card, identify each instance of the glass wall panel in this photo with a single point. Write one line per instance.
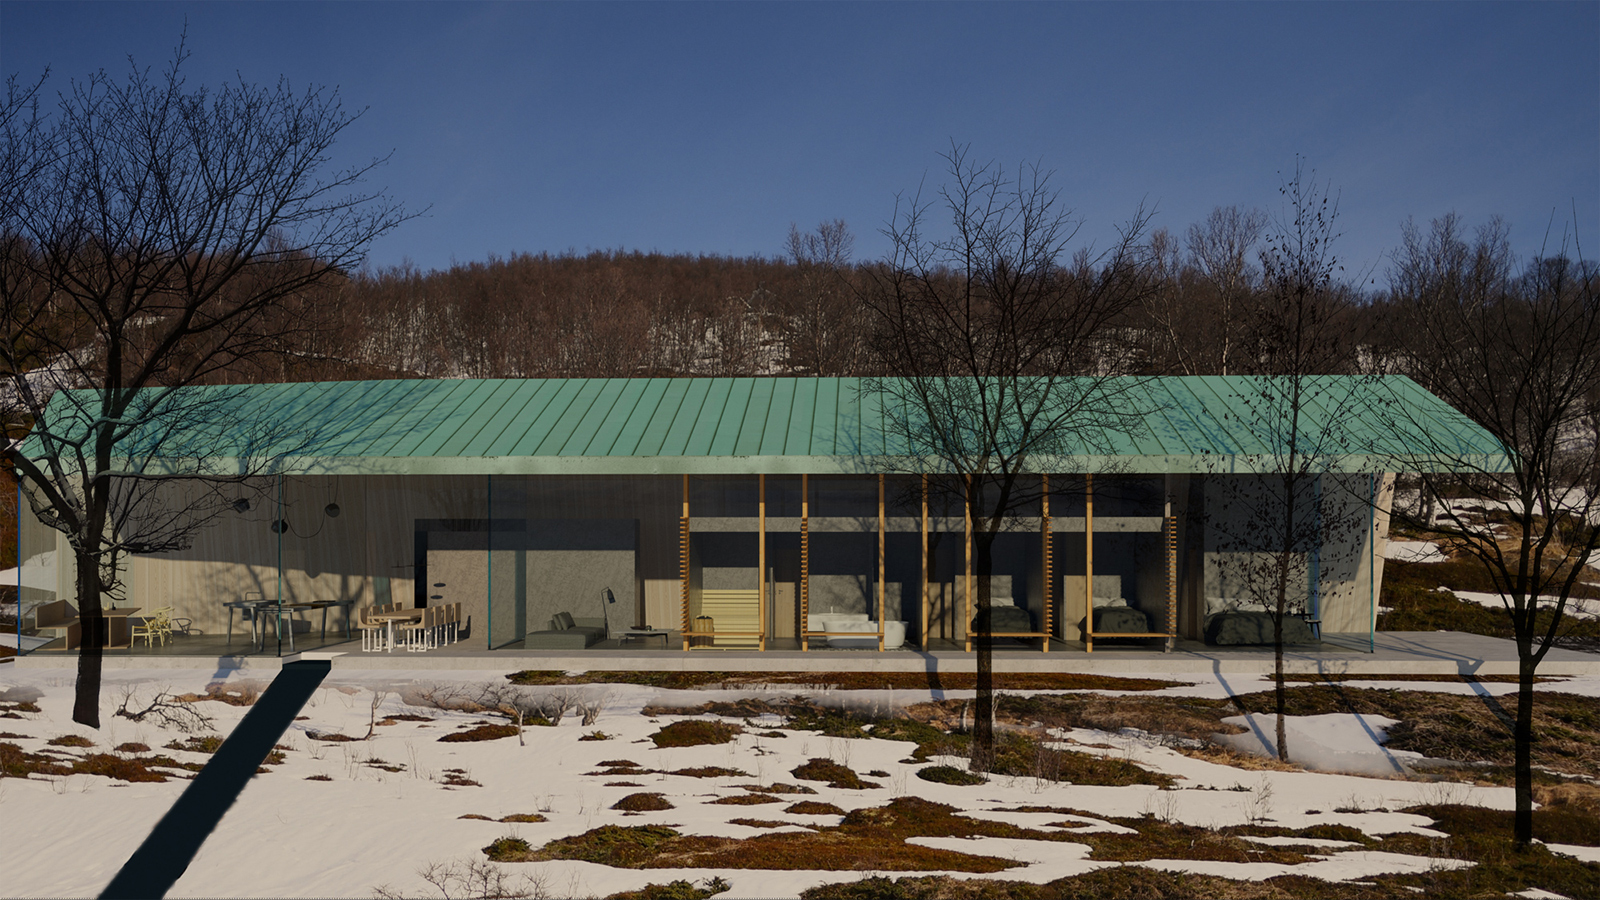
(44, 575)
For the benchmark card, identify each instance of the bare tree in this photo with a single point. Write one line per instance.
(1279, 526)
(992, 347)
(156, 238)
(1202, 292)
(825, 326)
(1520, 356)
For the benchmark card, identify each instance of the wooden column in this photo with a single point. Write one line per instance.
(922, 636)
(683, 564)
(1046, 569)
(882, 582)
(1171, 524)
(761, 556)
(805, 561)
(966, 539)
(1088, 562)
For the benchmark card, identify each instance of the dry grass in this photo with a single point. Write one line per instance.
(70, 740)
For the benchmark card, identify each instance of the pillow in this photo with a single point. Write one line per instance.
(562, 621)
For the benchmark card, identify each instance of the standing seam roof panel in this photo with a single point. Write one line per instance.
(456, 416)
(538, 431)
(435, 396)
(708, 418)
(580, 439)
(520, 410)
(567, 430)
(674, 394)
(732, 421)
(775, 427)
(682, 428)
(753, 430)
(632, 425)
(604, 433)
(469, 439)
(380, 403)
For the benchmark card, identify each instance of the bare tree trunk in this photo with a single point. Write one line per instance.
(86, 702)
(983, 705)
(1522, 827)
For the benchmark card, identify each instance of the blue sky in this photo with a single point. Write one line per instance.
(710, 128)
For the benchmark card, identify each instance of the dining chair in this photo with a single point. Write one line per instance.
(154, 627)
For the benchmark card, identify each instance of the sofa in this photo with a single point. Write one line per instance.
(894, 633)
(1250, 628)
(567, 633)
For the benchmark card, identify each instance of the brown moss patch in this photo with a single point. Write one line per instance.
(332, 737)
(129, 747)
(660, 847)
(761, 823)
(778, 788)
(523, 817)
(746, 800)
(475, 816)
(709, 772)
(837, 776)
(480, 733)
(318, 778)
(70, 740)
(813, 808)
(642, 802)
(596, 736)
(695, 732)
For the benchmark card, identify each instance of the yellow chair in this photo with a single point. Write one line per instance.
(156, 626)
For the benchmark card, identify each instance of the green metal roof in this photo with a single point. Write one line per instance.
(620, 426)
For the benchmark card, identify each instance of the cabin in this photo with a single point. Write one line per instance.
(705, 514)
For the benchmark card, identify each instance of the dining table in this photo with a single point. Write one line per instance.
(391, 617)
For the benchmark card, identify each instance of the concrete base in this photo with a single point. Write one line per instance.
(1392, 653)
(1396, 652)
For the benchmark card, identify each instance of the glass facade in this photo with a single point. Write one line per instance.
(704, 562)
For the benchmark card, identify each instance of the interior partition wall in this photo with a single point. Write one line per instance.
(599, 548)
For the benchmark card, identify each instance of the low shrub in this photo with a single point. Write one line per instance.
(523, 817)
(676, 890)
(133, 747)
(835, 775)
(508, 849)
(950, 775)
(70, 740)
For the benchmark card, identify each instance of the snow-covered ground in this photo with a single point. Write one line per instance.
(360, 826)
(1414, 551)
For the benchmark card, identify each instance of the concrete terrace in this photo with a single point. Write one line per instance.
(1394, 653)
